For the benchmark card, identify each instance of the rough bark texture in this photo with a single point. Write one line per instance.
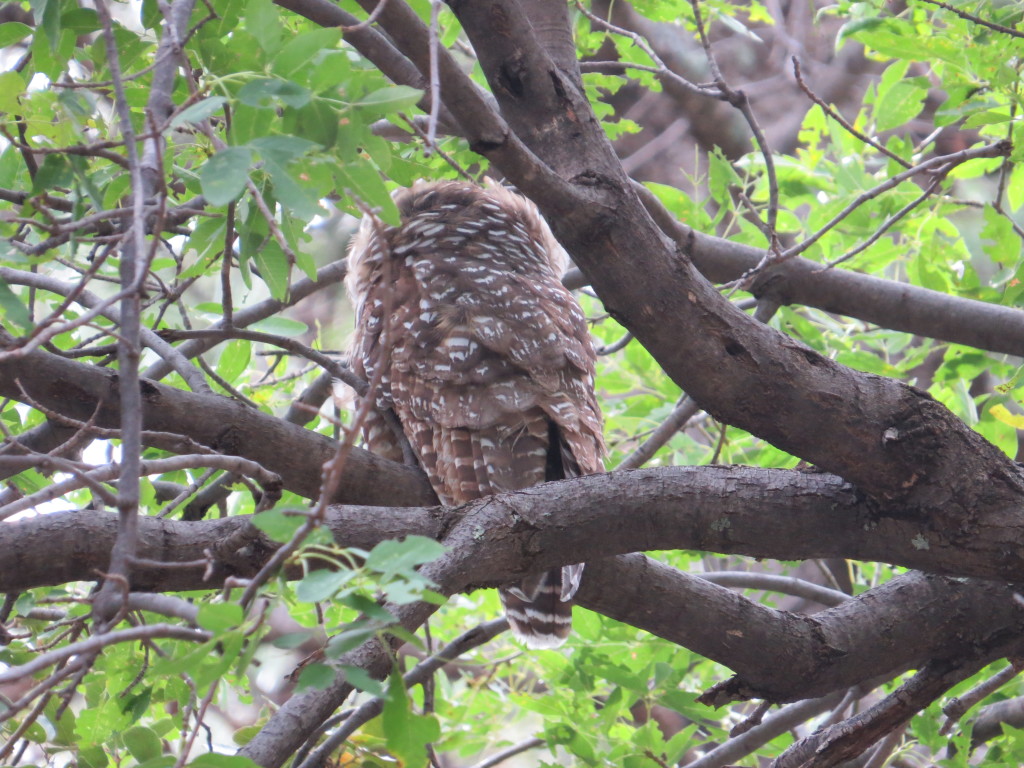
(84, 392)
(911, 484)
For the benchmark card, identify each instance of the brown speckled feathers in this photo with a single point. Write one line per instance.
(486, 360)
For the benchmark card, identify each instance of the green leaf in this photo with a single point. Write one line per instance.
(263, 22)
(30, 481)
(998, 432)
(214, 760)
(245, 734)
(1015, 189)
(290, 193)
(10, 164)
(282, 149)
(65, 725)
(92, 756)
(901, 104)
(321, 584)
(234, 359)
(136, 706)
(13, 32)
(81, 21)
(292, 639)
(47, 16)
(407, 733)
(296, 56)
(55, 171)
(220, 617)
(368, 606)
(392, 556)
(277, 525)
(359, 678)
(223, 176)
(362, 181)
(142, 743)
(274, 269)
(267, 92)
(721, 176)
(199, 111)
(25, 603)
(850, 29)
(345, 641)
(166, 761)
(317, 677)
(394, 98)
(13, 309)
(405, 592)
(281, 326)
(986, 117)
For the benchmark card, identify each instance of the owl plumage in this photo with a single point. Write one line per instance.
(486, 360)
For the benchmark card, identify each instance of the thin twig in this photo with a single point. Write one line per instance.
(332, 365)
(661, 69)
(942, 164)
(435, 75)
(976, 19)
(842, 120)
(368, 20)
(98, 642)
(739, 100)
(998, 149)
(192, 376)
(516, 749)
(186, 747)
(957, 706)
(435, 147)
(269, 482)
(682, 413)
(422, 672)
(787, 585)
(940, 176)
(615, 346)
(886, 748)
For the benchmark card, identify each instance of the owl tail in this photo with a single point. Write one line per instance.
(539, 609)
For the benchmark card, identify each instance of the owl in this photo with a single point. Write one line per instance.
(483, 356)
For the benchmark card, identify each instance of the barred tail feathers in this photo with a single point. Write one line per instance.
(539, 610)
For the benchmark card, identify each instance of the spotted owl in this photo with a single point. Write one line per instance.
(484, 357)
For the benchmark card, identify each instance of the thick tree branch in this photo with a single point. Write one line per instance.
(781, 514)
(499, 539)
(886, 303)
(839, 647)
(846, 740)
(889, 439)
(296, 454)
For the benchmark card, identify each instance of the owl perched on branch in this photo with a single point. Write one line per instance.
(483, 356)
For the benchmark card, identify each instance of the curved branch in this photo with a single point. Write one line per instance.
(780, 514)
(172, 357)
(97, 642)
(90, 394)
(713, 351)
(499, 539)
(886, 303)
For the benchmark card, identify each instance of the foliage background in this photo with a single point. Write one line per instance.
(178, 183)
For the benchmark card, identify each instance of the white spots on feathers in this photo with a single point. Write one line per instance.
(487, 356)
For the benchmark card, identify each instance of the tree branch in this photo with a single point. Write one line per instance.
(499, 539)
(724, 355)
(296, 454)
(782, 514)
